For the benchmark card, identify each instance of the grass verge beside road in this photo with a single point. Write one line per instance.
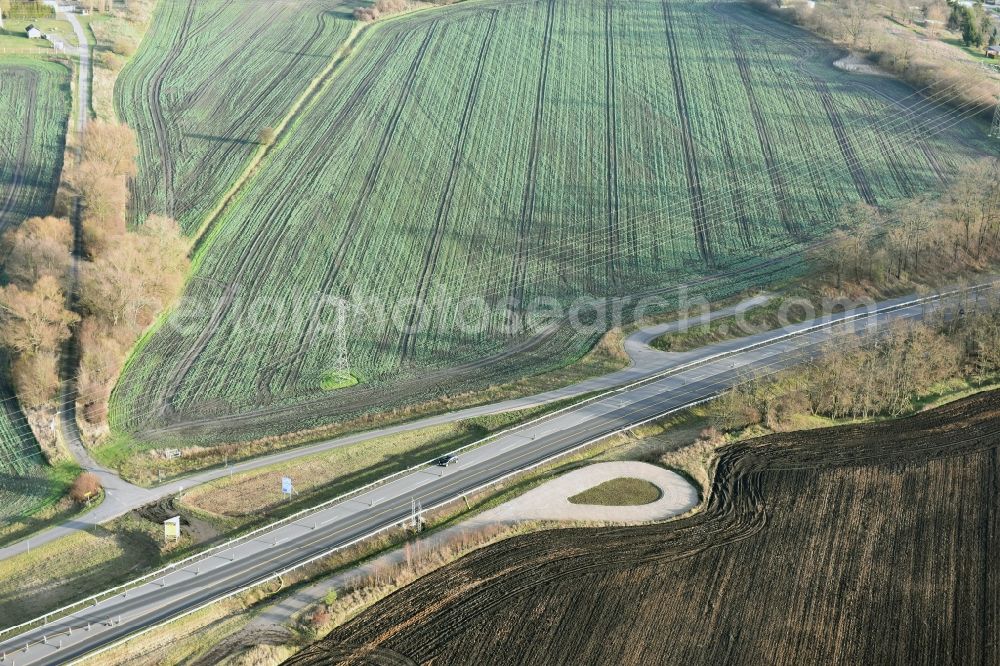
(229, 627)
(140, 464)
(74, 567)
(325, 475)
(132, 545)
(772, 315)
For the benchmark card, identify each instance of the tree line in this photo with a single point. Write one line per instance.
(881, 252)
(868, 28)
(880, 375)
(975, 24)
(922, 241)
(126, 276)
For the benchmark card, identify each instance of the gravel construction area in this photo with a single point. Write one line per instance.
(550, 501)
(546, 502)
(858, 65)
(864, 543)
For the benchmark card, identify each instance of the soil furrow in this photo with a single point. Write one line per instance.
(408, 339)
(520, 267)
(765, 498)
(701, 224)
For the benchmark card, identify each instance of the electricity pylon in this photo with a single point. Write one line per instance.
(415, 511)
(342, 364)
(995, 129)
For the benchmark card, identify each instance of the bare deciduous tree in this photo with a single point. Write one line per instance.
(40, 246)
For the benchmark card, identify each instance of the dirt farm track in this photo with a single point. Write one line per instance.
(860, 544)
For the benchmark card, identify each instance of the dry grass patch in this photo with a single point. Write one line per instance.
(339, 470)
(72, 568)
(260, 490)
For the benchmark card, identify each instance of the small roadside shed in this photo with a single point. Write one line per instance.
(33, 32)
(993, 52)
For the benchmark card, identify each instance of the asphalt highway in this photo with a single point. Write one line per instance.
(122, 496)
(221, 573)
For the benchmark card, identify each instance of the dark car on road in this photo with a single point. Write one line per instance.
(444, 461)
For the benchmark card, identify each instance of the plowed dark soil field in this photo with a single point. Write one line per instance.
(861, 544)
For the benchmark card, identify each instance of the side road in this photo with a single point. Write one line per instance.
(102, 621)
(122, 496)
(547, 502)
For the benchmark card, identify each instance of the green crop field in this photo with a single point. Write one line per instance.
(26, 480)
(210, 74)
(34, 111)
(470, 170)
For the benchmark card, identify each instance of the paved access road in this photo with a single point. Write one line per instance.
(122, 496)
(222, 572)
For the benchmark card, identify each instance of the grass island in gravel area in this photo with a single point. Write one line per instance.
(619, 492)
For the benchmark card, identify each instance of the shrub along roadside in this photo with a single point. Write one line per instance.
(35, 321)
(873, 30)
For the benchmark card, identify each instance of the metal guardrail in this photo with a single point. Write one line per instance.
(93, 600)
(527, 468)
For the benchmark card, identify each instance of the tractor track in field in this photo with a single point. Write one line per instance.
(423, 618)
(233, 150)
(206, 21)
(211, 78)
(156, 110)
(407, 342)
(918, 140)
(854, 165)
(27, 131)
(898, 174)
(260, 91)
(314, 156)
(520, 267)
(613, 265)
(771, 162)
(344, 402)
(809, 50)
(348, 400)
(803, 44)
(355, 400)
(356, 212)
(222, 65)
(703, 239)
(737, 195)
(256, 246)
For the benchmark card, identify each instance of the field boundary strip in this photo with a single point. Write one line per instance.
(203, 233)
(211, 552)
